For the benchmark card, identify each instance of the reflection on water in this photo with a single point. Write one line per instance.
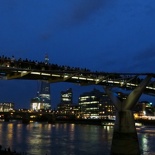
(146, 137)
(65, 139)
(58, 139)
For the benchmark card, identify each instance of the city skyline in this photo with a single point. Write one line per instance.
(102, 35)
(77, 91)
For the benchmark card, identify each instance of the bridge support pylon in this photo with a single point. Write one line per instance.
(125, 139)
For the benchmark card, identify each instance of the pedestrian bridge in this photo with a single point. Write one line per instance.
(32, 70)
(125, 140)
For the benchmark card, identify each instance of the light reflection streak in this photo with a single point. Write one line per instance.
(146, 136)
(145, 143)
(18, 133)
(72, 132)
(73, 139)
(37, 137)
(9, 136)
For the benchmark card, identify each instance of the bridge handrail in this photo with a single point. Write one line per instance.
(7, 63)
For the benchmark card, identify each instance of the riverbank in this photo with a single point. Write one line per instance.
(9, 152)
(146, 122)
(85, 121)
(2, 152)
(103, 122)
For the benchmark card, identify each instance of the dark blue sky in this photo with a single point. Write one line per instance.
(103, 35)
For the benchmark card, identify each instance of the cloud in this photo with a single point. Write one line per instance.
(72, 14)
(145, 56)
(142, 61)
(79, 11)
(85, 8)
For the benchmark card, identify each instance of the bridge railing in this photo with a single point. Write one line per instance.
(123, 80)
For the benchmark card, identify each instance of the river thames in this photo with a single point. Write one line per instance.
(66, 139)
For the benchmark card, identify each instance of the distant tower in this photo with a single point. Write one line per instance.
(44, 95)
(43, 99)
(45, 91)
(46, 59)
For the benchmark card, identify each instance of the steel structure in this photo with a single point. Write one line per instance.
(122, 80)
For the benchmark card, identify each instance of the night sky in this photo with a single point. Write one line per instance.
(101, 35)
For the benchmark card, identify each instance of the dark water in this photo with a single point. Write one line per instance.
(66, 139)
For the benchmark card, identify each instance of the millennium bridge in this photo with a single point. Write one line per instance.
(33, 70)
(125, 140)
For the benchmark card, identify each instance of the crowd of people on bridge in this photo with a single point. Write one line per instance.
(36, 65)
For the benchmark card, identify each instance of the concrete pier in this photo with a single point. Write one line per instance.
(125, 140)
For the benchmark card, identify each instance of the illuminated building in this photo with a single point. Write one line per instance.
(66, 103)
(36, 104)
(89, 103)
(106, 108)
(67, 97)
(43, 99)
(6, 106)
(97, 104)
(44, 95)
(144, 108)
(46, 59)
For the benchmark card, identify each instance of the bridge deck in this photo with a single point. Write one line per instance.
(33, 70)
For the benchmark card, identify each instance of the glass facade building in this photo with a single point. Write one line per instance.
(89, 104)
(66, 102)
(43, 99)
(67, 97)
(44, 95)
(96, 104)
